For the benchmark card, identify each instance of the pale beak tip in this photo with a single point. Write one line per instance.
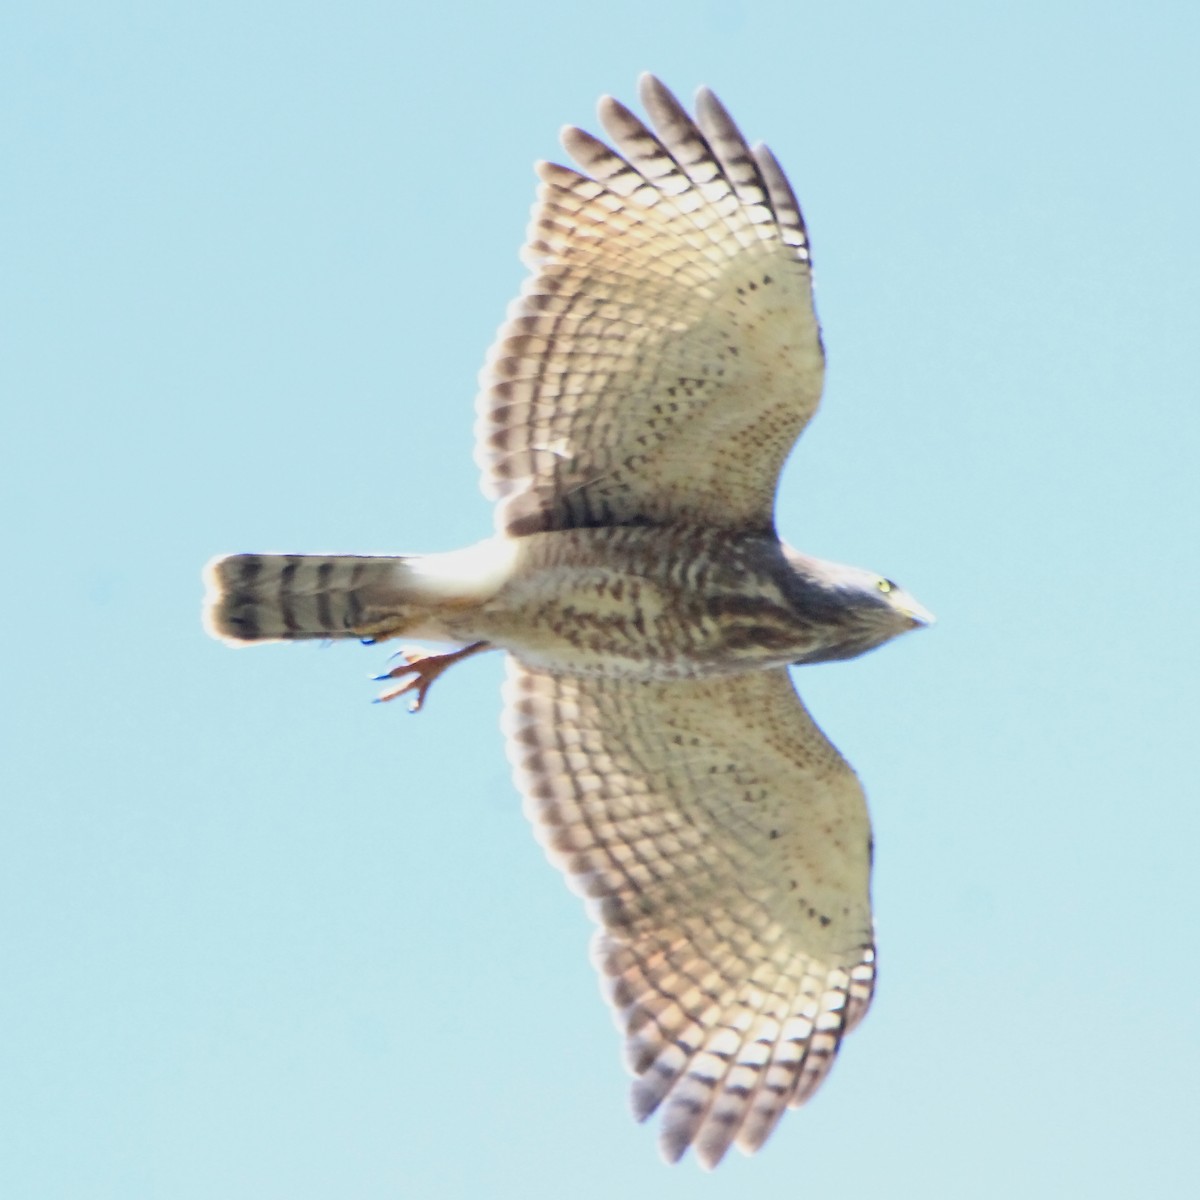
(920, 617)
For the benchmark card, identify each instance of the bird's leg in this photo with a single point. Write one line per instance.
(424, 669)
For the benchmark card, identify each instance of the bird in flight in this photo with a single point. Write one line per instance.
(634, 415)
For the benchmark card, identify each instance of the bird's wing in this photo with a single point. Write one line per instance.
(723, 846)
(664, 354)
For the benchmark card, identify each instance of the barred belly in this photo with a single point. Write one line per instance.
(644, 602)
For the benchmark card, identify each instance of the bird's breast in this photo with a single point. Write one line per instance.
(644, 602)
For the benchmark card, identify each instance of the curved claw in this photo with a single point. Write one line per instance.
(423, 669)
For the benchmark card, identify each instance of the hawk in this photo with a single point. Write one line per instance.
(634, 415)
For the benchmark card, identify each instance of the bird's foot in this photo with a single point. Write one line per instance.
(423, 670)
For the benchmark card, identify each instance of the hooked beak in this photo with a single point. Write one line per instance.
(916, 613)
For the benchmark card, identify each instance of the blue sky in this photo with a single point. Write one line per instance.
(262, 939)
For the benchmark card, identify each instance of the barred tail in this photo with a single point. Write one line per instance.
(269, 597)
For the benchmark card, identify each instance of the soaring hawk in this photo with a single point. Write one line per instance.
(635, 413)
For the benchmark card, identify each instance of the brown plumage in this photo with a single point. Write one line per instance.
(635, 412)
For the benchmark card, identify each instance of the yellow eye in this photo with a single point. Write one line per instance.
(885, 586)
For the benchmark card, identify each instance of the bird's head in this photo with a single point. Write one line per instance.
(858, 608)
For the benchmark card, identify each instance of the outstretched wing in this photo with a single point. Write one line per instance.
(664, 355)
(723, 846)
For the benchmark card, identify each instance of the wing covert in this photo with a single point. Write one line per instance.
(723, 846)
(664, 354)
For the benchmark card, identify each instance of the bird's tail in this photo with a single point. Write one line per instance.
(270, 597)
